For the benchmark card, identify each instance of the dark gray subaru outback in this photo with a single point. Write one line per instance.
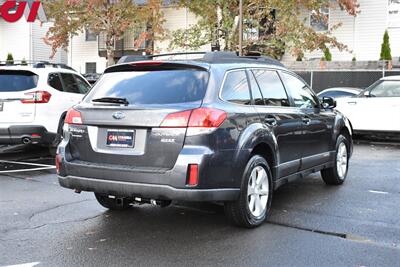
(222, 128)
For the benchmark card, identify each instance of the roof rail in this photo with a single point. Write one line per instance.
(35, 64)
(209, 57)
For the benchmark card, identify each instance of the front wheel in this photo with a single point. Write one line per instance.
(252, 207)
(338, 173)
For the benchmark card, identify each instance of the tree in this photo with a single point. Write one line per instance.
(23, 62)
(270, 26)
(109, 17)
(385, 48)
(327, 54)
(10, 59)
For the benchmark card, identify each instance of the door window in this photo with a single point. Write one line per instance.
(255, 91)
(271, 87)
(83, 86)
(299, 91)
(55, 81)
(236, 88)
(386, 89)
(70, 84)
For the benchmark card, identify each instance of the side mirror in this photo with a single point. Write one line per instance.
(328, 102)
(367, 94)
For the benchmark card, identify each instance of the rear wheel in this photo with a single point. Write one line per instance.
(112, 203)
(252, 207)
(338, 173)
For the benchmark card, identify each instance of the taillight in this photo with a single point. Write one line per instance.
(196, 118)
(37, 97)
(193, 178)
(176, 120)
(73, 117)
(207, 118)
(58, 162)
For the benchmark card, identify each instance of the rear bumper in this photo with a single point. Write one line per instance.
(20, 134)
(153, 191)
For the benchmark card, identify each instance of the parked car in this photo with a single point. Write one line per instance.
(224, 128)
(339, 92)
(377, 109)
(34, 100)
(92, 77)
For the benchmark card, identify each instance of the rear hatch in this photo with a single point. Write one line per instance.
(129, 116)
(14, 88)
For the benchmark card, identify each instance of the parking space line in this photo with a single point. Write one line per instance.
(30, 264)
(26, 163)
(378, 192)
(29, 170)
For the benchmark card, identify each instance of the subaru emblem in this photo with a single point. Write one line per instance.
(118, 115)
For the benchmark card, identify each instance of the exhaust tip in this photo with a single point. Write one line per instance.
(26, 140)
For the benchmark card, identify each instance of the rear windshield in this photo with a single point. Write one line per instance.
(152, 87)
(15, 81)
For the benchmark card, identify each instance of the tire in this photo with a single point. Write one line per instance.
(338, 173)
(252, 207)
(112, 203)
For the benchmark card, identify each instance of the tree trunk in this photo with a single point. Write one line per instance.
(110, 57)
(110, 50)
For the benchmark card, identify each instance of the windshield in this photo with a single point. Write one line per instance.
(152, 87)
(16, 81)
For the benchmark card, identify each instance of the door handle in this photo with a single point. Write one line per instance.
(352, 103)
(306, 120)
(270, 120)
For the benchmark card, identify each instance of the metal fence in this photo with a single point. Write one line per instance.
(323, 79)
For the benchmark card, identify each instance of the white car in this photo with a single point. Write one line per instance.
(34, 100)
(376, 109)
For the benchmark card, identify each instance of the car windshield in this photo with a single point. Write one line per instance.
(152, 87)
(15, 81)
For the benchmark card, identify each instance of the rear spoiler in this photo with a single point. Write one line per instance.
(151, 65)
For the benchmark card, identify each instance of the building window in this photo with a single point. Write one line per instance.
(90, 36)
(91, 67)
(320, 22)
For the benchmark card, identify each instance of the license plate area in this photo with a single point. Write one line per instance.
(120, 138)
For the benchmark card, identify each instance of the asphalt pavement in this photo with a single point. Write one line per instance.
(311, 224)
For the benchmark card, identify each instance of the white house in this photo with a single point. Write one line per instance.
(363, 34)
(25, 40)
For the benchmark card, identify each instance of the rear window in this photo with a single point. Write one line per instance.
(15, 81)
(153, 87)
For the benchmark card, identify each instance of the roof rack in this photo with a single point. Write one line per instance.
(210, 57)
(35, 64)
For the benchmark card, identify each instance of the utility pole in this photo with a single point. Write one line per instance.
(240, 27)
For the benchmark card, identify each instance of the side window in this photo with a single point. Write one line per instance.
(386, 89)
(54, 81)
(301, 94)
(255, 91)
(83, 86)
(236, 89)
(70, 84)
(271, 87)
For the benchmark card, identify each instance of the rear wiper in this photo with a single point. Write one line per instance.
(115, 100)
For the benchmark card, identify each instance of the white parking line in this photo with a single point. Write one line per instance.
(26, 163)
(29, 170)
(378, 192)
(31, 264)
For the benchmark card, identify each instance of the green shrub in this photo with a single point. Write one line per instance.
(327, 54)
(10, 59)
(385, 48)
